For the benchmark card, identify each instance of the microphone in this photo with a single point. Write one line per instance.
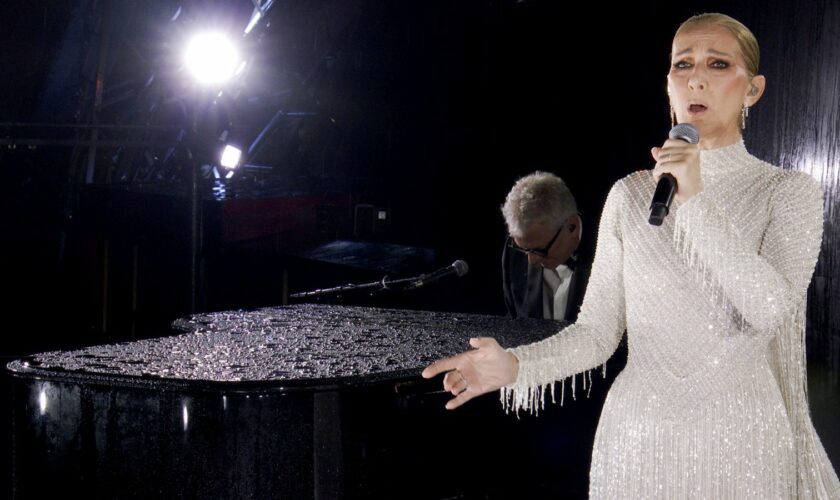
(458, 268)
(667, 185)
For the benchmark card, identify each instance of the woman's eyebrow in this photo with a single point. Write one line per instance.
(711, 51)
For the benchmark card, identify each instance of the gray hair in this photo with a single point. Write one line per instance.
(538, 198)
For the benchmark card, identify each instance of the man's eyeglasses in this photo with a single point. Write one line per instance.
(540, 252)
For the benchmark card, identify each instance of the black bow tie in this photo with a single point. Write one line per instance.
(571, 263)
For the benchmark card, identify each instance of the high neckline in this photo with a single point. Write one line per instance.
(724, 159)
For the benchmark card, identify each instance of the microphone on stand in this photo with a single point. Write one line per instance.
(458, 268)
(667, 185)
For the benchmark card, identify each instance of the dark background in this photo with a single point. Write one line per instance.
(427, 110)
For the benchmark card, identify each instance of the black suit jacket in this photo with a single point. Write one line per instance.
(523, 286)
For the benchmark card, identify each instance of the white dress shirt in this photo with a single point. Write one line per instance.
(556, 291)
(556, 285)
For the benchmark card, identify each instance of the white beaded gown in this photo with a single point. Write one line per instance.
(712, 401)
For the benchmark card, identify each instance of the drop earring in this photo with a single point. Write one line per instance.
(745, 112)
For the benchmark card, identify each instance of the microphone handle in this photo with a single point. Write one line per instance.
(662, 198)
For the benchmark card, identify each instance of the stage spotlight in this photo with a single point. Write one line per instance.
(211, 58)
(231, 156)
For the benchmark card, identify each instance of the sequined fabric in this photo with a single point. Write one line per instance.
(712, 401)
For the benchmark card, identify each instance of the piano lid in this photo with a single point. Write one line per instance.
(305, 346)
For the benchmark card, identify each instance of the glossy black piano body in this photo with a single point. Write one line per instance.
(294, 402)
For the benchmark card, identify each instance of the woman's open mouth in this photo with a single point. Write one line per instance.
(696, 109)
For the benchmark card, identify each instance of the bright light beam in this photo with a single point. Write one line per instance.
(231, 156)
(211, 58)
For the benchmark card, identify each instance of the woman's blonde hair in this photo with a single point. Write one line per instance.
(746, 40)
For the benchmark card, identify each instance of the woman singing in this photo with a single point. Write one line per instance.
(712, 401)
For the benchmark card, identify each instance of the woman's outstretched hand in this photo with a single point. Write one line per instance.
(487, 367)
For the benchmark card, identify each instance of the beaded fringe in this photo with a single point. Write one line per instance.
(531, 398)
(687, 247)
(815, 476)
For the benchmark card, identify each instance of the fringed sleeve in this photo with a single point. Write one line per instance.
(764, 289)
(591, 340)
(767, 292)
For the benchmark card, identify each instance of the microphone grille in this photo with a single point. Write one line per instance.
(686, 132)
(461, 267)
